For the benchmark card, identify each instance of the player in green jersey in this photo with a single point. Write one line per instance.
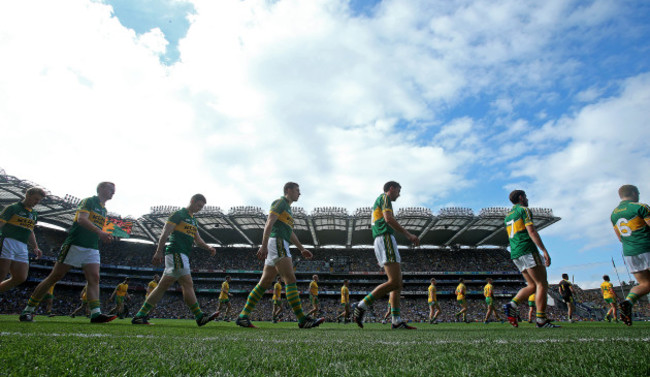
(182, 231)
(17, 223)
(274, 251)
(383, 226)
(81, 250)
(631, 221)
(524, 244)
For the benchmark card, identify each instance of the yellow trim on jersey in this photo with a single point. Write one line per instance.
(184, 228)
(285, 218)
(517, 225)
(21, 222)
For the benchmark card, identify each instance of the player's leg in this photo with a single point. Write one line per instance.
(510, 309)
(268, 277)
(285, 268)
(638, 291)
(91, 272)
(187, 287)
(437, 312)
(228, 308)
(152, 300)
(17, 270)
(613, 309)
(57, 273)
(538, 275)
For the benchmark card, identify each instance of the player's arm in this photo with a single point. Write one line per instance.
(618, 234)
(199, 241)
(305, 253)
(390, 220)
(84, 220)
(164, 236)
(264, 247)
(537, 240)
(32, 242)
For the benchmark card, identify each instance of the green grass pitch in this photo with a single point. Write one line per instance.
(63, 346)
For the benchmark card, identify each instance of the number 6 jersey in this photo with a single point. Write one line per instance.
(629, 218)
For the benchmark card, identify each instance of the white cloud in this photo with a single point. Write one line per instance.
(605, 150)
(266, 92)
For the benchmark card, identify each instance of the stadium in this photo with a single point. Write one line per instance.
(455, 243)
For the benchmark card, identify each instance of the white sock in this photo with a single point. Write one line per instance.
(362, 305)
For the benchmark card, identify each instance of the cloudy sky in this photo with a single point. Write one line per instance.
(459, 101)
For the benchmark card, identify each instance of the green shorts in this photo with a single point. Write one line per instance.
(531, 304)
(345, 304)
(119, 299)
(433, 303)
(224, 300)
(461, 302)
(609, 300)
(276, 302)
(313, 299)
(488, 301)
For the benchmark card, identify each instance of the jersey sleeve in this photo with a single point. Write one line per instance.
(386, 204)
(527, 216)
(85, 206)
(278, 207)
(175, 218)
(7, 213)
(644, 211)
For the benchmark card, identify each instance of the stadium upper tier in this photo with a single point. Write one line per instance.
(324, 226)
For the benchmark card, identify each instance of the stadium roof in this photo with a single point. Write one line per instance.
(324, 226)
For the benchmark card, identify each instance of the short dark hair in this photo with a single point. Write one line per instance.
(104, 184)
(35, 191)
(461, 280)
(627, 191)
(565, 276)
(227, 277)
(514, 196)
(289, 186)
(606, 277)
(198, 197)
(390, 184)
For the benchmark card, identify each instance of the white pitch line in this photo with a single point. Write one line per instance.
(320, 340)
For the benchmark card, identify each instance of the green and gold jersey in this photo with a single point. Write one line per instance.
(520, 241)
(283, 228)
(182, 238)
(629, 218)
(19, 222)
(433, 294)
(487, 290)
(608, 290)
(277, 291)
(225, 288)
(345, 295)
(80, 236)
(122, 289)
(460, 291)
(313, 288)
(377, 221)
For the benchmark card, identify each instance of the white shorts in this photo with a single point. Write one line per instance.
(527, 261)
(638, 263)
(177, 265)
(14, 250)
(386, 250)
(77, 256)
(278, 249)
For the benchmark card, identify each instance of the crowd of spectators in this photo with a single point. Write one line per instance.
(338, 260)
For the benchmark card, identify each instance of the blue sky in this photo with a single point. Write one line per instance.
(460, 101)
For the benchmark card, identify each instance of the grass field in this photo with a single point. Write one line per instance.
(63, 346)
